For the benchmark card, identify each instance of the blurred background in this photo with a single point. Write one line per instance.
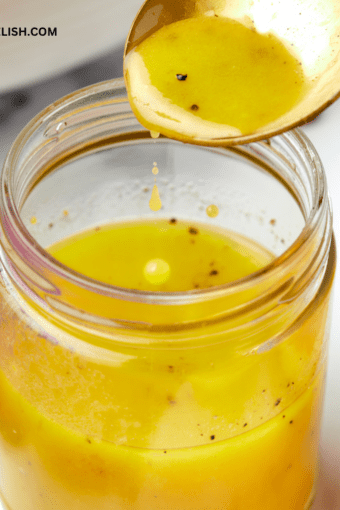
(88, 48)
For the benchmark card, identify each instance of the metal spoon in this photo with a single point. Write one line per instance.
(311, 27)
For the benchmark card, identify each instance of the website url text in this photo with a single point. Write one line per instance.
(19, 31)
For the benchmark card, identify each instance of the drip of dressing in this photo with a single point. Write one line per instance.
(155, 202)
(156, 271)
(212, 211)
(154, 134)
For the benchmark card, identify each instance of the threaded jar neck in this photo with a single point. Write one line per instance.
(97, 119)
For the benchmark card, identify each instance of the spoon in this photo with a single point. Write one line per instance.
(310, 28)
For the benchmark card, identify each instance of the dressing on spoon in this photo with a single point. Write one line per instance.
(209, 77)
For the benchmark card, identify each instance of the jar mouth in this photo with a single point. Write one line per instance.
(25, 252)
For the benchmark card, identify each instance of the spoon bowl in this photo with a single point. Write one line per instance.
(310, 29)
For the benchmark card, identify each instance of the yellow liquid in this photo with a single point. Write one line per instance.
(212, 211)
(194, 77)
(198, 256)
(198, 428)
(155, 202)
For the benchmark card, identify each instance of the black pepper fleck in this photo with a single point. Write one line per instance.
(213, 272)
(245, 424)
(212, 437)
(170, 368)
(193, 231)
(291, 421)
(89, 441)
(164, 451)
(50, 225)
(194, 107)
(278, 401)
(181, 77)
(173, 221)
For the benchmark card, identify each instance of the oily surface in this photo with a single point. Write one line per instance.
(211, 69)
(197, 256)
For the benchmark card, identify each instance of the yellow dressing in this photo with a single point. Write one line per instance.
(194, 77)
(154, 134)
(197, 256)
(155, 202)
(186, 429)
(212, 211)
(156, 271)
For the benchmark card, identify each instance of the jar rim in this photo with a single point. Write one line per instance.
(36, 254)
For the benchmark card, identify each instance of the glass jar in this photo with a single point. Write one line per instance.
(113, 398)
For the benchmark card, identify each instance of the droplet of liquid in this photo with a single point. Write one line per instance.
(154, 134)
(55, 129)
(212, 211)
(60, 127)
(33, 220)
(155, 202)
(155, 170)
(156, 271)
